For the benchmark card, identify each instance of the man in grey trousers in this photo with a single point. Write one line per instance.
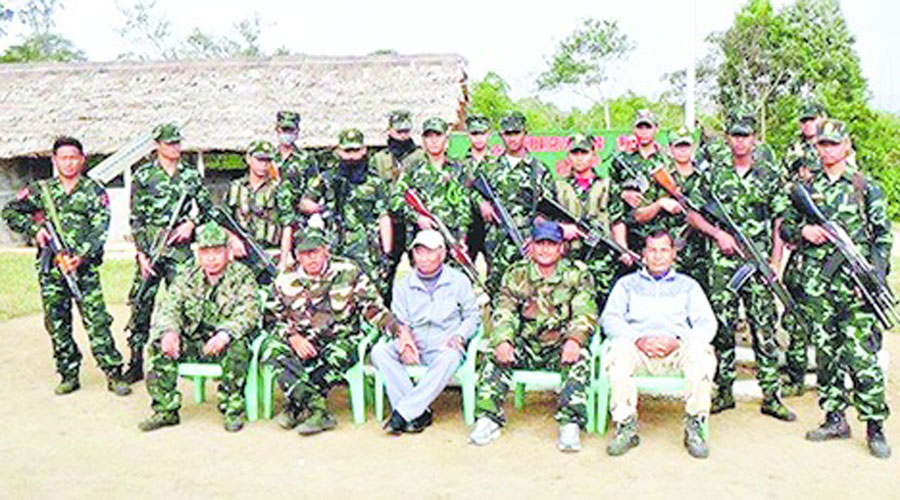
(439, 314)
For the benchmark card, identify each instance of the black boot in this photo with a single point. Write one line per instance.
(878, 446)
(135, 370)
(834, 427)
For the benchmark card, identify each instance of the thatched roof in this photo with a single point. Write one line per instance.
(229, 102)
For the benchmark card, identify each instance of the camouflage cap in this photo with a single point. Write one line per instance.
(644, 116)
(310, 238)
(400, 119)
(741, 120)
(167, 132)
(513, 121)
(581, 142)
(478, 123)
(351, 138)
(547, 230)
(211, 235)
(682, 136)
(831, 131)
(261, 149)
(287, 119)
(435, 124)
(811, 110)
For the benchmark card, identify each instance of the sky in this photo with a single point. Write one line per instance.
(511, 38)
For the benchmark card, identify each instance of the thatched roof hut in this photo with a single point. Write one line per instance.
(228, 102)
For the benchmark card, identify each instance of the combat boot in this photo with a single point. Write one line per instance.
(68, 385)
(320, 421)
(118, 386)
(834, 427)
(724, 400)
(234, 423)
(773, 407)
(159, 420)
(291, 417)
(626, 437)
(878, 446)
(135, 370)
(694, 441)
(792, 389)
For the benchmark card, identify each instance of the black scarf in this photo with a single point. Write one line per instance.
(400, 148)
(354, 171)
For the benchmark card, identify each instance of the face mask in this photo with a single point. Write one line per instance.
(287, 138)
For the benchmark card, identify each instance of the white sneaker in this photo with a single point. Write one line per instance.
(485, 431)
(569, 438)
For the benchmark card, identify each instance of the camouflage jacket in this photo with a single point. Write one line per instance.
(296, 170)
(390, 168)
(801, 153)
(197, 310)
(630, 170)
(442, 188)
(330, 305)
(519, 189)
(675, 224)
(472, 167)
(590, 203)
(255, 209)
(545, 310)
(83, 215)
(868, 225)
(153, 198)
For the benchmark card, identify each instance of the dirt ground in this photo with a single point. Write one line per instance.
(87, 445)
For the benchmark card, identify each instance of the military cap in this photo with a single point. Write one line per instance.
(581, 141)
(547, 230)
(644, 116)
(287, 119)
(435, 124)
(811, 110)
(400, 119)
(682, 136)
(167, 132)
(429, 238)
(211, 235)
(478, 123)
(831, 131)
(350, 138)
(513, 121)
(261, 149)
(310, 238)
(741, 120)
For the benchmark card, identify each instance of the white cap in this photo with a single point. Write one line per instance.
(429, 238)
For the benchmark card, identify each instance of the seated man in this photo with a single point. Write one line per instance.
(320, 304)
(207, 315)
(439, 313)
(543, 318)
(658, 321)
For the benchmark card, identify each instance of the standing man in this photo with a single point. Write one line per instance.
(801, 157)
(293, 167)
(155, 191)
(77, 210)
(401, 151)
(207, 315)
(320, 305)
(543, 320)
(477, 160)
(751, 190)
(658, 321)
(847, 336)
(438, 314)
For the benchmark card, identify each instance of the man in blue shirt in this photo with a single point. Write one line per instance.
(658, 321)
(439, 313)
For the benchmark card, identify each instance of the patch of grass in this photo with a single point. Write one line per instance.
(20, 294)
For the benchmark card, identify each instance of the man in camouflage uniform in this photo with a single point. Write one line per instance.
(543, 320)
(251, 202)
(78, 209)
(401, 151)
(351, 190)
(477, 160)
(208, 315)
(801, 162)
(293, 167)
(750, 189)
(320, 305)
(519, 179)
(156, 189)
(585, 195)
(847, 335)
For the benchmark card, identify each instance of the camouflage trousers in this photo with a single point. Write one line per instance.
(306, 382)
(847, 339)
(796, 357)
(500, 253)
(162, 378)
(57, 303)
(166, 269)
(369, 257)
(494, 381)
(693, 259)
(762, 316)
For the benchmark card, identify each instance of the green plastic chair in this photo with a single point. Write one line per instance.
(200, 372)
(465, 376)
(261, 380)
(646, 384)
(523, 380)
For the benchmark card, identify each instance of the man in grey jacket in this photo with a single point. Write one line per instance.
(658, 321)
(439, 314)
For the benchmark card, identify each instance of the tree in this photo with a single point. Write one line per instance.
(6, 15)
(490, 96)
(582, 61)
(40, 44)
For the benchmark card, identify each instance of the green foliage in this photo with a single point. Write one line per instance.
(40, 44)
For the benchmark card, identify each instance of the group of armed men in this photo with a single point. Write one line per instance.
(305, 249)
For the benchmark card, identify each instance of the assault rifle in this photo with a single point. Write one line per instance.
(483, 188)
